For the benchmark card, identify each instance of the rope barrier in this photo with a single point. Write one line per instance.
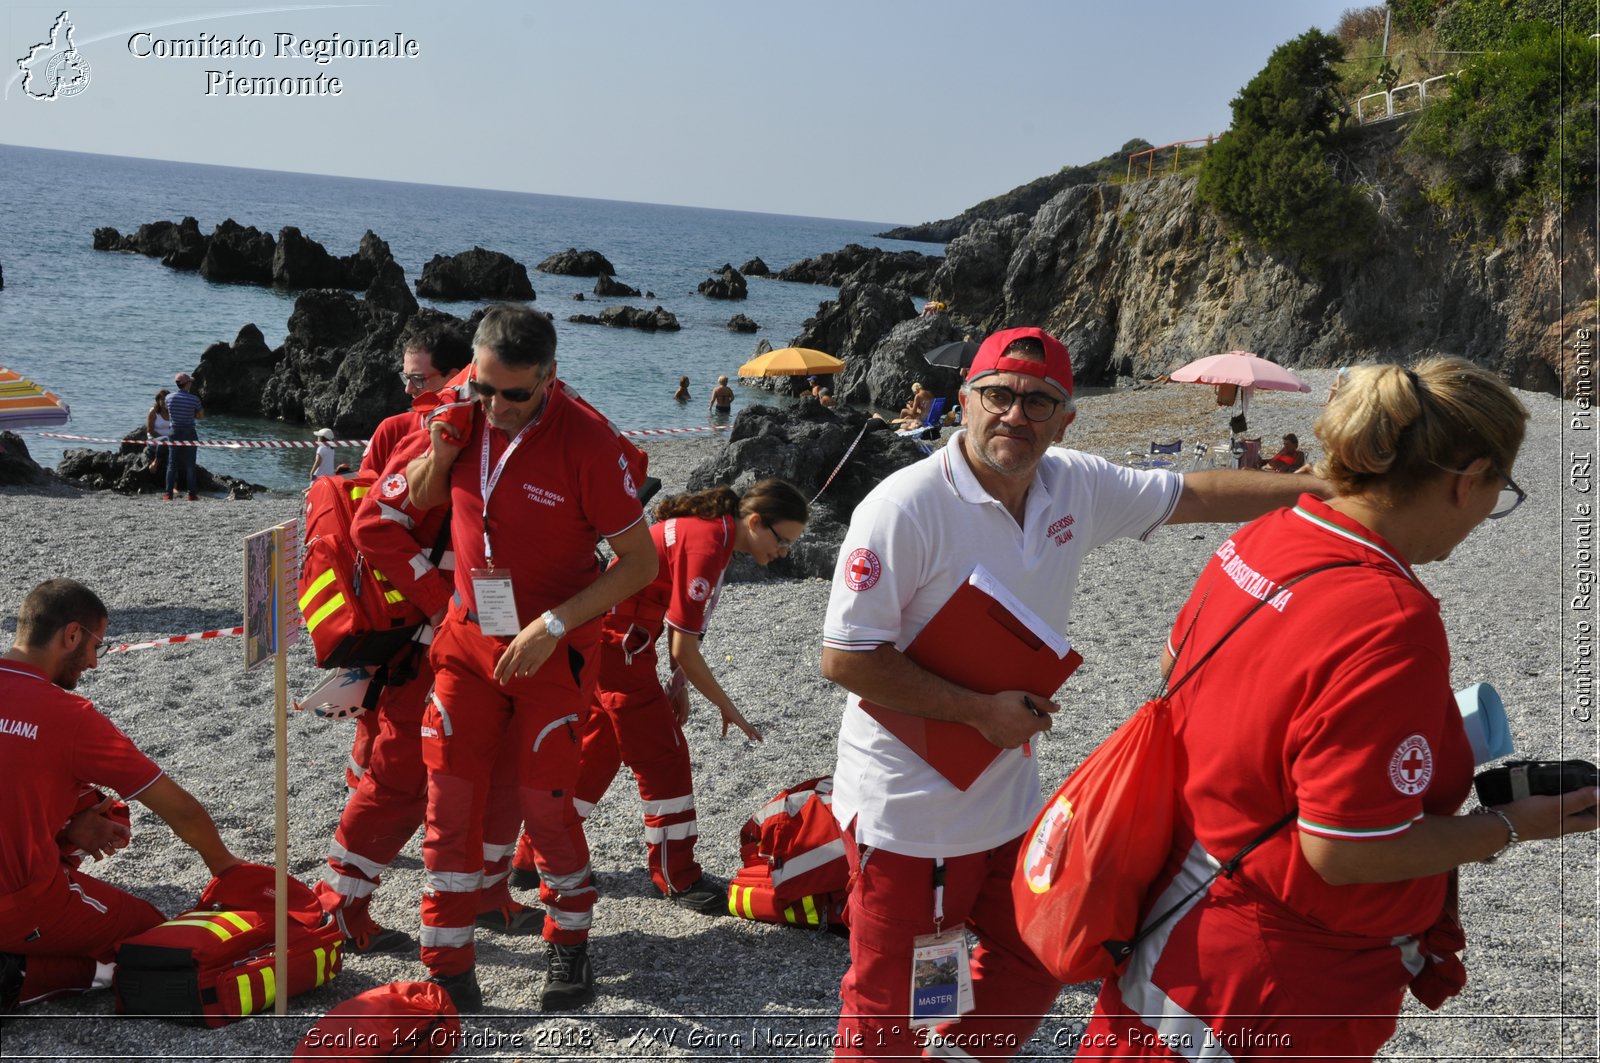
(198, 636)
(836, 468)
(306, 444)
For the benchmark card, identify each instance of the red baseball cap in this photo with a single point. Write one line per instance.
(1055, 369)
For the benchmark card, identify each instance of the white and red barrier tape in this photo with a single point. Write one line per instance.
(306, 444)
(198, 636)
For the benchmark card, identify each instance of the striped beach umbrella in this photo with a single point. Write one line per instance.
(22, 402)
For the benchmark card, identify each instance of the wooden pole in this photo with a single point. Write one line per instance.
(280, 728)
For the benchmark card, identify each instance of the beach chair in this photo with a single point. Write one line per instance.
(1159, 456)
(929, 428)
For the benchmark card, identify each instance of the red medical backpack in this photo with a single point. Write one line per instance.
(214, 964)
(795, 872)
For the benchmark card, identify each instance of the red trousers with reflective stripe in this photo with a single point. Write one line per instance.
(64, 931)
(891, 903)
(388, 803)
(509, 753)
(632, 723)
(361, 744)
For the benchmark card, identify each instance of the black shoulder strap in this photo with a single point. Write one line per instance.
(1252, 611)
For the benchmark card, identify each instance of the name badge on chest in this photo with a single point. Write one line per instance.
(497, 602)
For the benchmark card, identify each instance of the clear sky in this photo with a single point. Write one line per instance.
(884, 110)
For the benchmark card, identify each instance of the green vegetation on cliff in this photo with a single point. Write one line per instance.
(1270, 174)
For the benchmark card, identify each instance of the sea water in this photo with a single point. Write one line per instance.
(105, 330)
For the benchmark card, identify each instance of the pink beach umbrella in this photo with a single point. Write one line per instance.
(1241, 368)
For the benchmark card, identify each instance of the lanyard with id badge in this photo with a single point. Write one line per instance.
(941, 971)
(491, 585)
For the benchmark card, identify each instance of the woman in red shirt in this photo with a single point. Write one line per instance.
(1345, 757)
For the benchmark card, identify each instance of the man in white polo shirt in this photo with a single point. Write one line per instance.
(929, 858)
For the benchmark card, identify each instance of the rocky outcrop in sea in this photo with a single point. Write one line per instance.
(726, 283)
(658, 320)
(238, 254)
(475, 274)
(609, 286)
(740, 323)
(575, 263)
(909, 271)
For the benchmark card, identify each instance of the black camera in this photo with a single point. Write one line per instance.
(1524, 778)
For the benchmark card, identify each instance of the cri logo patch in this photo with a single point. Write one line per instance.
(1411, 767)
(862, 569)
(394, 486)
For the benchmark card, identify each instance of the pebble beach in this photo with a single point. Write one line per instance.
(674, 984)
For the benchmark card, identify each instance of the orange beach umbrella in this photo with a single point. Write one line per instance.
(792, 361)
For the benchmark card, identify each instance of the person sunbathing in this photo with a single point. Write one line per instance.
(1289, 459)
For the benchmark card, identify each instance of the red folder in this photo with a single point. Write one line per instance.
(976, 642)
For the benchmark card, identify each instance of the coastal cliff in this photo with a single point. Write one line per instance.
(1138, 278)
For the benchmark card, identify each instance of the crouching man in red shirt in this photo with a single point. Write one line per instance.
(59, 926)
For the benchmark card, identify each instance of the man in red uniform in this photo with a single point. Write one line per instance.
(59, 926)
(428, 358)
(537, 480)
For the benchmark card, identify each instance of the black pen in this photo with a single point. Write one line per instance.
(1027, 701)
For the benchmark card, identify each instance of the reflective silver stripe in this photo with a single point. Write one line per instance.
(551, 726)
(583, 807)
(447, 561)
(491, 853)
(86, 899)
(568, 884)
(669, 806)
(1410, 953)
(357, 770)
(809, 860)
(676, 832)
(420, 565)
(495, 880)
(454, 881)
(1177, 1028)
(792, 803)
(570, 920)
(349, 886)
(445, 937)
(388, 512)
(444, 713)
(370, 868)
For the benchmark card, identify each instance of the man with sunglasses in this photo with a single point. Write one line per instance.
(536, 478)
(58, 926)
(927, 857)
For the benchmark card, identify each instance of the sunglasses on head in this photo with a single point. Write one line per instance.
(486, 392)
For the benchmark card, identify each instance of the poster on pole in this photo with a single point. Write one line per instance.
(271, 621)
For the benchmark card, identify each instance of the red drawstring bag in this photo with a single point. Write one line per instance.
(1097, 846)
(416, 1020)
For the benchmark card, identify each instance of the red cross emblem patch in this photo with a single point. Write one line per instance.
(1411, 767)
(862, 569)
(394, 486)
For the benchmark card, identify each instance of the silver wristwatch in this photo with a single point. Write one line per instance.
(553, 625)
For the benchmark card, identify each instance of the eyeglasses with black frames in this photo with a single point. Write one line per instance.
(783, 544)
(1511, 495)
(1036, 405)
